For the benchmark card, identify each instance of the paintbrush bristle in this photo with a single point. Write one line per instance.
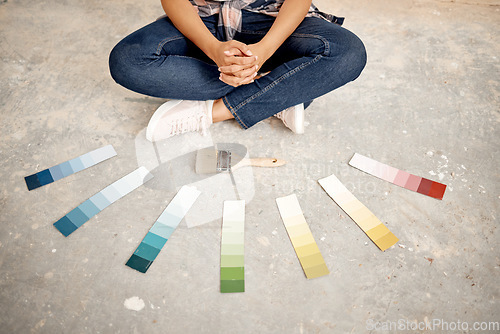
(206, 161)
(223, 161)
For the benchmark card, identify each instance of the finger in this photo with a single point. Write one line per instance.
(241, 60)
(252, 71)
(236, 81)
(224, 80)
(230, 80)
(248, 80)
(236, 68)
(233, 52)
(242, 47)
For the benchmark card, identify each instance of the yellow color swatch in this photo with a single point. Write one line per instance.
(302, 239)
(365, 219)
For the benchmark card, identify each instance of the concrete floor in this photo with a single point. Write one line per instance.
(427, 102)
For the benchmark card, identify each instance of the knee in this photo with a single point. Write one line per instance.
(350, 51)
(118, 59)
(357, 55)
(125, 61)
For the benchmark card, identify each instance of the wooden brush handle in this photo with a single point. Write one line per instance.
(260, 162)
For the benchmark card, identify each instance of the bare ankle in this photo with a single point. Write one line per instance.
(220, 112)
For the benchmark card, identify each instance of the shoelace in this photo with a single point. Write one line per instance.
(190, 123)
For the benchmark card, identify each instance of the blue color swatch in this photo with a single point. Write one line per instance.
(88, 209)
(67, 168)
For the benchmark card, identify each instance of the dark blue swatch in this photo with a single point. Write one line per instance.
(45, 177)
(65, 226)
(32, 182)
(138, 263)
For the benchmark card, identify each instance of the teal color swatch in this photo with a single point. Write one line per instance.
(162, 229)
(88, 209)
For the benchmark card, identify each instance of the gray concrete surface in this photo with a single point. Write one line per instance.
(427, 102)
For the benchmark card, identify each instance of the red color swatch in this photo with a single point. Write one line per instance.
(401, 178)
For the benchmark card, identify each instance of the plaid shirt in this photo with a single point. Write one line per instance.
(230, 12)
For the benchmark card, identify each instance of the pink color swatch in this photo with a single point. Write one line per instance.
(398, 177)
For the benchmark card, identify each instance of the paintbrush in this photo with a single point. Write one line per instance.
(210, 160)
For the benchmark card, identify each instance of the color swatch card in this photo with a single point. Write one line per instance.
(162, 229)
(302, 239)
(365, 219)
(69, 167)
(82, 213)
(398, 177)
(232, 271)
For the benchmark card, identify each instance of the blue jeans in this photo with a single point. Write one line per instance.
(320, 56)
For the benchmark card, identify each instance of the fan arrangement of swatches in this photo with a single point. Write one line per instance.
(232, 275)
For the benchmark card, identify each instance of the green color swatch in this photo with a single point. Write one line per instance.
(232, 260)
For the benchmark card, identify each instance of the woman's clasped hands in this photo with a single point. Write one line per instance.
(238, 63)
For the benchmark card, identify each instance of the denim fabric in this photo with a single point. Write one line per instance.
(320, 56)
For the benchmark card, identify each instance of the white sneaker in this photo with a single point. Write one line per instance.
(175, 117)
(293, 118)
